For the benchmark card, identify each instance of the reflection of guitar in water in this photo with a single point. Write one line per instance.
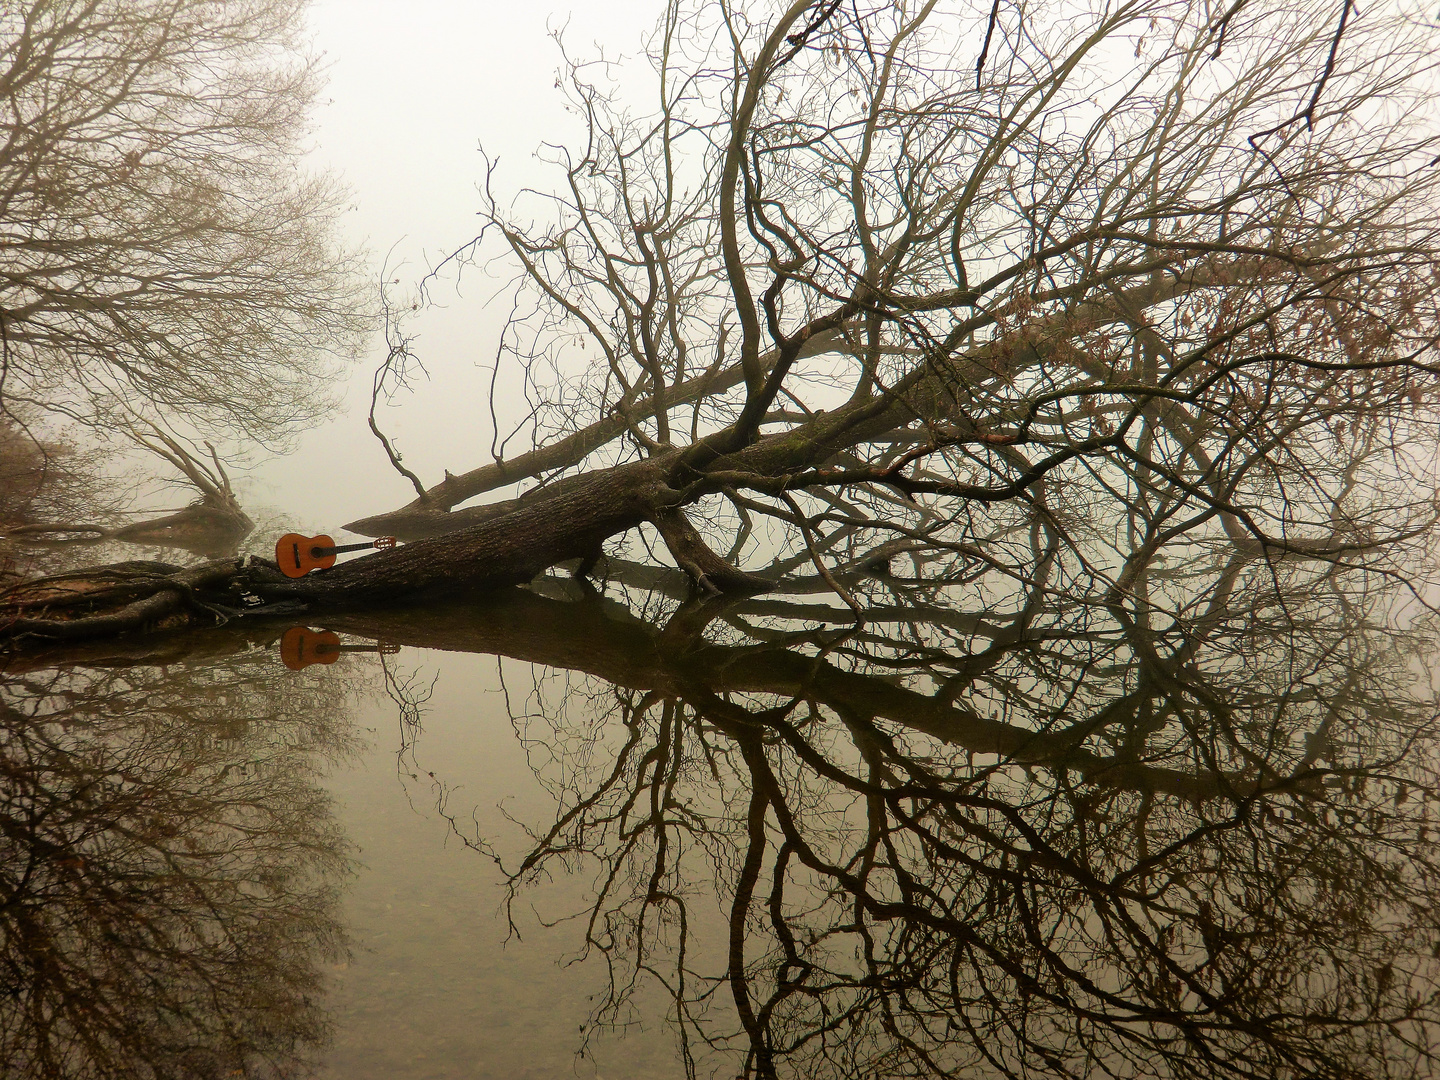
(300, 647)
(298, 555)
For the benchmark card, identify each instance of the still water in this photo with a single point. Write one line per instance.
(563, 833)
(437, 985)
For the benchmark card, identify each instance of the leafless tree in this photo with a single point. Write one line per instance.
(1071, 291)
(917, 273)
(1066, 375)
(212, 525)
(51, 480)
(160, 253)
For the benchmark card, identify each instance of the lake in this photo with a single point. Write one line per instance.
(571, 832)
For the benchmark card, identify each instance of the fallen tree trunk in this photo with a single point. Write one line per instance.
(933, 393)
(509, 549)
(432, 513)
(517, 541)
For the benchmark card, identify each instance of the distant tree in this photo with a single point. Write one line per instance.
(44, 480)
(160, 252)
(214, 524)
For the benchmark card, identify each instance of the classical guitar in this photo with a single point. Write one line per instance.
(298, 555)
(300, 647)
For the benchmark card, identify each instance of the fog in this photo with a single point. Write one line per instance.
(967, 615)
(414, 89)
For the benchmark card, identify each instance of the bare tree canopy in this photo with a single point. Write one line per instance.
(160, 253)
(1153, 265)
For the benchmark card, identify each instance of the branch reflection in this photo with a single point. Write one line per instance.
(1042, 843)
(1181, 824)
(169, 868)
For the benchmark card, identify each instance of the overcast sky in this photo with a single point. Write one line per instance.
(415, 86)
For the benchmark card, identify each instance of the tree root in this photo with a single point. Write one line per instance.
(122, 598)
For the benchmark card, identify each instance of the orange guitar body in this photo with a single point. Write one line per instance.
(301, 646)
(298, 555)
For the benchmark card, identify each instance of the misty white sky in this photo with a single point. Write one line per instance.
(414, 87)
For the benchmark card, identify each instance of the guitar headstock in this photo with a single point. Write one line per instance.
(384, 543)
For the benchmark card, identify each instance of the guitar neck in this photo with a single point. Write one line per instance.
(340, 549)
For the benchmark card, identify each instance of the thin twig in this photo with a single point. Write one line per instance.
(397, 359)
(820, 567)
(985, 49)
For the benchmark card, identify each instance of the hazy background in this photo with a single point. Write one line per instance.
(415, 86)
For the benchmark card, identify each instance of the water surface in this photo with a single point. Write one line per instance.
(565, 833)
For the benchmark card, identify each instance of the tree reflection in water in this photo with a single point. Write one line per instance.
(1048, 839)
(170, 870)
(1145, 822)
